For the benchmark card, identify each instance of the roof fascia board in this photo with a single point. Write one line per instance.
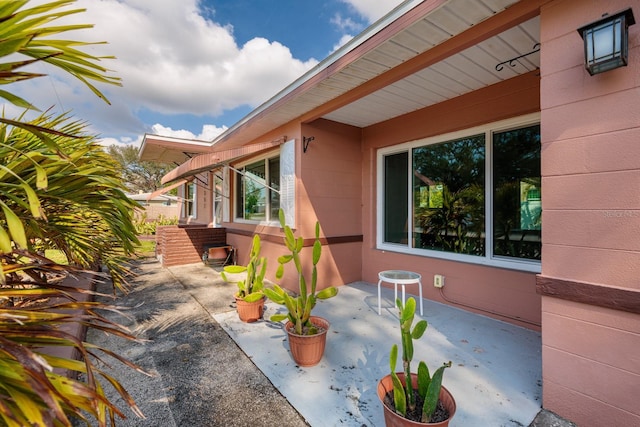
(172, 143)
(168, 141)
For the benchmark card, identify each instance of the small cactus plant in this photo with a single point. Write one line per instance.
(251, 288)
(300, 306)
(428, 386)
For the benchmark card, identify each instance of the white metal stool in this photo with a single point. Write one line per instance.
(398, 277)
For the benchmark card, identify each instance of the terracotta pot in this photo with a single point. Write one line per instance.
(218, 253)
(250, 312)
(307, 350)
(393, 419)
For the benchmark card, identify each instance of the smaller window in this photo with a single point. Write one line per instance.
(257, 190)
(190, 200)
(217, 199)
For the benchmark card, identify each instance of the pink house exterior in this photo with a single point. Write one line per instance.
(551, 239)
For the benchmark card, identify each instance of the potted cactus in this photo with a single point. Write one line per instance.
(250, 296)
(307, 334)
(411, 399)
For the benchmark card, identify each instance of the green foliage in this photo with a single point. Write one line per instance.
(59, 191)
(428, 386)
(299, 307)
(457, 225)
(251, 288)
(145, 227)
(138, 175)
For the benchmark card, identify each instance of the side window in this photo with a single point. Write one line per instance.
(257, 193)
(189, 205)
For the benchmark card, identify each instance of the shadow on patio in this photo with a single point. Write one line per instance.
(495, 377)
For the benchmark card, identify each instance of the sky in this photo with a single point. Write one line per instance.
(193, 68)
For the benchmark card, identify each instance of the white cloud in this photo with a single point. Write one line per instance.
(346, 25)
(343, 40)
(171, 60)
(372, 10)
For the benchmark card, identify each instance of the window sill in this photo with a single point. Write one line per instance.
(496, 262)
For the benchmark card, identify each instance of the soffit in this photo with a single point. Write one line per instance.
(458, 74)
(162, 149)
(464, 72)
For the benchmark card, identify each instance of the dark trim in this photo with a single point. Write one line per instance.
(589, 293)
(334, 240)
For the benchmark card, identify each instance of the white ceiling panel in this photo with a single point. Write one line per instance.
(464, 72)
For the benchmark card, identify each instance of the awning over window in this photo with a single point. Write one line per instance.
(164, 190)
(209, 161)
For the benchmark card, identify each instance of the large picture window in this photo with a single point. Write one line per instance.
(471, 196)
(257, 190)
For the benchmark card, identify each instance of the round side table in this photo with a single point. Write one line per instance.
(399, 277)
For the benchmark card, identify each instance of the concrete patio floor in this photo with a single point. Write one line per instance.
(495, 377)
(209, 369)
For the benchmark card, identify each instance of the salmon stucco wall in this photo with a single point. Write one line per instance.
(591, 217)
(328, 190)
(508, 295)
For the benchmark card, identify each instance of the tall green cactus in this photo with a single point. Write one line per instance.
(428, 387)
(251, 288)
(299, 306)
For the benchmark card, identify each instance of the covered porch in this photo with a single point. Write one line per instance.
(496, 373)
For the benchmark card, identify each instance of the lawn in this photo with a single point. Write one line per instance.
(147, 248)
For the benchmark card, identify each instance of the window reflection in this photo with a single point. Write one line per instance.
(448, 201)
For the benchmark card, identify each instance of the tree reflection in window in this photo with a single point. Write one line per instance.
(448, 201)
(517, 209)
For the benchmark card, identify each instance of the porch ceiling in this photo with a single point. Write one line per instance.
(464, 72)
(437, 53)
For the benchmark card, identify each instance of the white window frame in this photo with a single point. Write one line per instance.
(236, 183)
(214, 176)
(193, 200)
(488, 259)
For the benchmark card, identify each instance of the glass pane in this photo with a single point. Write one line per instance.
(448, 196)
(274, 182)
(517, 208)
(190, 193)
(604, 42)
(255, 192)
(396, 203)
(239, 196)
(217, 199)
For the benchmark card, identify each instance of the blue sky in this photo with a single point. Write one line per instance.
(192, 68)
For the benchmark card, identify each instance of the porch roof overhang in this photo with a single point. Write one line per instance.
(165, 149)
(210, 161)
(422, 53)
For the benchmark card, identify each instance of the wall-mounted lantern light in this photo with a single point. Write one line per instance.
(606, 41)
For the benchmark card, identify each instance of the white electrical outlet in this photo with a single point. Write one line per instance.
(438, 280)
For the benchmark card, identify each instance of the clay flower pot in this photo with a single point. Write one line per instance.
(393, 419)
(307, 350)
(250, 312)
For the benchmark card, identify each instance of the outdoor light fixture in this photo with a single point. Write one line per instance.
(606, 41)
